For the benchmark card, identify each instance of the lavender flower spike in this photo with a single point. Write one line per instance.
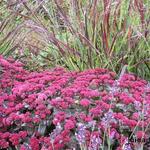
(80, 135)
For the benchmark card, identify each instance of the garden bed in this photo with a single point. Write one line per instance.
(58, 109)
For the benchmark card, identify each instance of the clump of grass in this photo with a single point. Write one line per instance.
(84, 34)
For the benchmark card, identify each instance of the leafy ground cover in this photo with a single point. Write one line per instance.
(58, 109)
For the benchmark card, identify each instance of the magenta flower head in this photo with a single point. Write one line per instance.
(85, 102)
(140, 134)
(69, 124)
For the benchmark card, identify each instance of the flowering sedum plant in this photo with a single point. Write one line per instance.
(57, 109)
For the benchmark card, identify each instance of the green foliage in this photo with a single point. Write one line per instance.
(81, 34)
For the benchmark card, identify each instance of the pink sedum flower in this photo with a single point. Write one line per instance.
(34, 143)
(69, 124)
(140, 134)
(85, 102)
